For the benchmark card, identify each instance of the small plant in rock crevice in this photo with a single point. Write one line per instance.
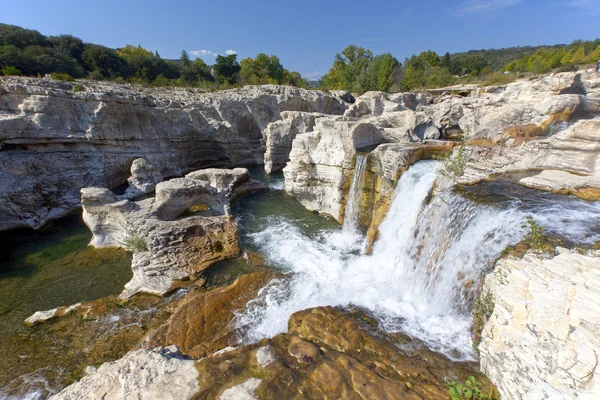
(133, 242)
(535, 235)
(482, 311)
(471, 389)
(453, 164)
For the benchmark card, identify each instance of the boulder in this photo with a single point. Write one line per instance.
(144, 178)
(140, 374)
(176, 235)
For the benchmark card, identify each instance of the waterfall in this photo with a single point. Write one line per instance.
(425, 269)
(352, 214)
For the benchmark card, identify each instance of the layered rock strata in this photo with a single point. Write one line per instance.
(542, 340)
(55, 140)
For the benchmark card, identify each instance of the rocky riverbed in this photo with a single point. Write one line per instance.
(245, 285)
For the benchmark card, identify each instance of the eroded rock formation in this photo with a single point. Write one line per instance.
(55, 141)
(175, 235)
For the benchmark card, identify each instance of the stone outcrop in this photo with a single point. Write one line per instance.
(279, 136)
(322, 160)
(42, 316)
(567, 162)
(542, 340)
(202, 324)
(141, 374)
(514, 128)
(144, 178)
(330, 353)
(318, 172)
(385, 166)
(177, 234)
(55, 141)
(326, 353)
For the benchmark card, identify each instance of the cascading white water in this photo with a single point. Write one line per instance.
(424, 270)
(352, 213)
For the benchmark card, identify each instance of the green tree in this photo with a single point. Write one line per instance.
(348, 66)
(379, 73)
(104, 60)
(130, 51)
(227, 68)
(185, 59)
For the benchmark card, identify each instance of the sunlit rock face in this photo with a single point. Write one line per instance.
(541, 340)
(55, 141)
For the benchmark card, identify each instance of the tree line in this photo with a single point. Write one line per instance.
(357, 69)
(28, 52)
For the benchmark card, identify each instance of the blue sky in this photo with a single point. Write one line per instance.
(306, 34)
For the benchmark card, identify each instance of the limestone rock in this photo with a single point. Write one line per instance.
(56, 141)
(542, 336)
(568, 161)
(180, 233)
(243, 391)
(331, 353)
(279, 136)
(141, 374)
(203, 323)
(42, 316)
(320, 161)
(144, 178)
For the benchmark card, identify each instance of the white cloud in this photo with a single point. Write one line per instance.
(590, 7)
(471, 7)
(210, 54)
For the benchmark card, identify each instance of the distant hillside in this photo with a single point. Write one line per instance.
(498, 58)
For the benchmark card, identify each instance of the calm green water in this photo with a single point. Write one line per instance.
(54, 267)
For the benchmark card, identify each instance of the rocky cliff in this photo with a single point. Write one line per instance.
(55, 140)
(542, 340)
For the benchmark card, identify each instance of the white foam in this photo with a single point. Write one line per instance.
(424, 270)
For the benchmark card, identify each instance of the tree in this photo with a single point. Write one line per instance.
(348, 66)
(262, 70)
(379, 73)
(104, 60)
(226, 68)
(21, 38)
(130, 51)
(446, 61)
(67, 45)
(185, 59)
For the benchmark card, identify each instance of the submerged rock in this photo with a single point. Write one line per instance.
(202, 324)
(330, 353)
(542, 339)
(43, 316)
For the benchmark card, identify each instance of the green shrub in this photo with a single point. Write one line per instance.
(133, 242)
(79, 88)
(10, 70)
(96, 75)
(62, 77)
(453, 165)
(471, 389)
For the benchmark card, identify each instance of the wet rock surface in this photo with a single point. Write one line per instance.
(331, 353)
